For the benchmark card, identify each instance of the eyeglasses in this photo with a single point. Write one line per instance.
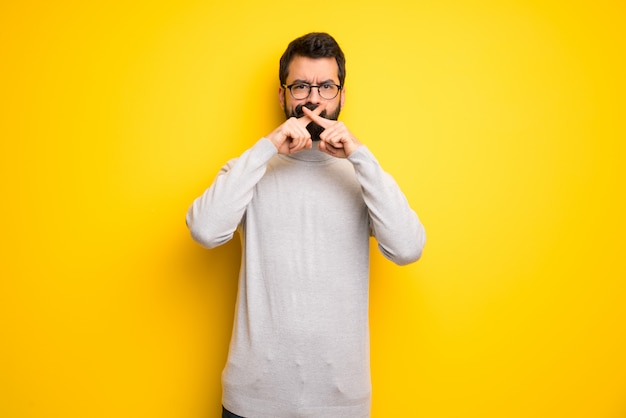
(300, 91)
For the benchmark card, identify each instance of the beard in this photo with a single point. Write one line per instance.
(314, 129)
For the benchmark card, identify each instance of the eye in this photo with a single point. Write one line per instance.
(300, 87)
(327, 86)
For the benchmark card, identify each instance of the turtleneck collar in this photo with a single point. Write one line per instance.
(311, 155)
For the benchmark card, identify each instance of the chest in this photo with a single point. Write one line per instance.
(308, 189)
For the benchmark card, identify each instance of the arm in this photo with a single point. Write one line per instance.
(214, 216)
(398, 230)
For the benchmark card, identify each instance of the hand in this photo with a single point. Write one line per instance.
(292, 136)
(336, 140)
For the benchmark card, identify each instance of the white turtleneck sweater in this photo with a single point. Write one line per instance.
(300, 342)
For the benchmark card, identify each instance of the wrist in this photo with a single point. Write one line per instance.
(273, 138)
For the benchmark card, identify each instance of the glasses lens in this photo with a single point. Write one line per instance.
(328, 91)
(300, 91)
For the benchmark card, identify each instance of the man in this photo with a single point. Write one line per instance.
(305, 199)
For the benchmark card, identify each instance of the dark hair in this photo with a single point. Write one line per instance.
(312, 45)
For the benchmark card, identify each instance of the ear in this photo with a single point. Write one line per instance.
(281, 97)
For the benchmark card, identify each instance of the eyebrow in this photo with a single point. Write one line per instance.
(330, 80)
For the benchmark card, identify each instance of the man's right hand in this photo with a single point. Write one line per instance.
(292, 136)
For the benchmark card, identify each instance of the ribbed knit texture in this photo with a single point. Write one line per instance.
(300, 343)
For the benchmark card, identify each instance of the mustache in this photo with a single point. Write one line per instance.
(310, 106)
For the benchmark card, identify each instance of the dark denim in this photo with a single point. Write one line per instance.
(227, 414)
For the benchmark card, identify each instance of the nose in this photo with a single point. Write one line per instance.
(314, 96)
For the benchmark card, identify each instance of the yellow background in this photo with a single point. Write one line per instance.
(503, 122)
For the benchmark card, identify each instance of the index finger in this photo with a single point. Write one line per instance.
(314, 115)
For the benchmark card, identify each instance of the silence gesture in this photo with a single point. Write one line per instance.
(336, 139)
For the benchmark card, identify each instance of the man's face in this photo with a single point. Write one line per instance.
(313, 71)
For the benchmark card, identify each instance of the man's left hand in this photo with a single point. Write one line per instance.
(336, 140)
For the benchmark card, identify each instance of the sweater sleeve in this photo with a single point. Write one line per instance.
(396, 227)
(214, 216)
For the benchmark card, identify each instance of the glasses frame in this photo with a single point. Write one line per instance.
(311, 86)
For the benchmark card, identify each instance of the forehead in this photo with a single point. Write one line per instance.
(313, 69)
